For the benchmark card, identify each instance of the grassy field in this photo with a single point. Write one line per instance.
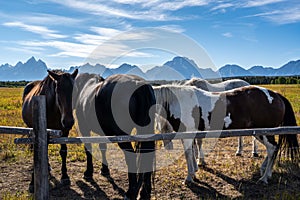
(227, 177)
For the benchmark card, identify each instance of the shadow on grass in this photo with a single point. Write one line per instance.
(283, 185)
(58, 191)
(204, 191)
(90, 190)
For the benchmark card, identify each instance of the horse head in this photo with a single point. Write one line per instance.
(64, 83)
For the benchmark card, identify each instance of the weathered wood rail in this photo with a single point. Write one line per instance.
(169, 136)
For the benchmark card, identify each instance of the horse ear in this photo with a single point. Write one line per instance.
(74, 74)
(53, 75)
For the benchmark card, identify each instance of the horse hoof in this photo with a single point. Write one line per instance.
(238, 154)
(201, 164)
(263, 181)
(105, 172)
(65, 181)
(88, 178)
(31, 189)
(255, 155)
(188, 182)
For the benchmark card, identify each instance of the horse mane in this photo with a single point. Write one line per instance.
(168, 93)
(194, 79)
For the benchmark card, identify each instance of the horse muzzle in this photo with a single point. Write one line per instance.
(67, 123)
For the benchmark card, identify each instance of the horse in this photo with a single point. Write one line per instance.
(115, 106)
(57, 86)
(188, 108)
(219, 87)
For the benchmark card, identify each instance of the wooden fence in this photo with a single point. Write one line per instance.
(39, 137)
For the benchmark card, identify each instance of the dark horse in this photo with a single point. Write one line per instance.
(114, 107)
(57, 87)
(188, 108)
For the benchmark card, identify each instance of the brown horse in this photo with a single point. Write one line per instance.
(114, 107)
(57, 87)
(188, 108)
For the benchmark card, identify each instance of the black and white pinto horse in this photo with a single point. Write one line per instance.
(220, 87)
(188, 108)
(115, 106)
(57, 87)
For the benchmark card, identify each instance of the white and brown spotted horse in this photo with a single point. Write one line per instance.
(220, 87)
(188, 108)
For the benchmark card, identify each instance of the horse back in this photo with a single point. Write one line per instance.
(32, 86)
(254, 107)
(122, 103)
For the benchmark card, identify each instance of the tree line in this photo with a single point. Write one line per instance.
(255, 80)
(13, 83)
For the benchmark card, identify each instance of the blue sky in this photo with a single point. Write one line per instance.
(66, 33)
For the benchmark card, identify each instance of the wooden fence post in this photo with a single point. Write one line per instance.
(41, 182)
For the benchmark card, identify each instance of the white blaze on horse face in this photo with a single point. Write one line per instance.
(269, 97)
(227, 121)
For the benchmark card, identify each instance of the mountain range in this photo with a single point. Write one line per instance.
(178, 68)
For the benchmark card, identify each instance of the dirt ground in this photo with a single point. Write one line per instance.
(225, 177)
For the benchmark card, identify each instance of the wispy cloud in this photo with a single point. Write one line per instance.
(227, 34)
(283, 16)
(27, 50)
(222, 6)
(41, 30)
(179, 4)
(257, 3)
(65, 48)
(156, 10)
(49, 19)
(107, 9)
(97, 46)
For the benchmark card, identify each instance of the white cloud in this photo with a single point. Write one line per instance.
(228, 35)
(109, 32)
(222, 6)
(65, 48)
(284, 16)
(107, 10)
(41, 30)
(49, 19)
(179, 4)
(257, 3)
(173, 28)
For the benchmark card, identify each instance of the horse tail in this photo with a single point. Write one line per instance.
(145, 119)
(289, 143)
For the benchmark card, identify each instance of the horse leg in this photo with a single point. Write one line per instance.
(263, 166)
(104, 168)
(254, 148)
(269, 161)
(200, 160)
(146, 190)
(240, 146)
(130, 158)
(146, 167)
(190, 159)
(65, 180)
(88, 174)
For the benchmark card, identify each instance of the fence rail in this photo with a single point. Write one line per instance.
(26, 131)
(169, 136)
